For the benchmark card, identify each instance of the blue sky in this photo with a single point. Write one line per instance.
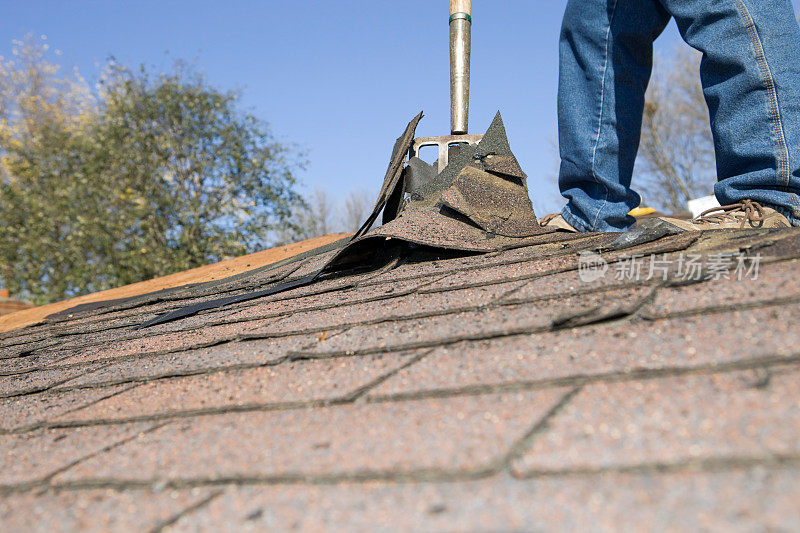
(338, 78)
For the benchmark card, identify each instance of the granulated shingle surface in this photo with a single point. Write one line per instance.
(448, 434)
(749, 499)
(773, 282)
(667, 345)
(181, 340)
(34, 455)
(183, 363)
(503, 391)
(99, 510)
(298, 381)
(483, 322)
(40, 380)
(612, 425)
(32, 409)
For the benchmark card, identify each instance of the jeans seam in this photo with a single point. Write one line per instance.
(769, 84)
(600, 118)
(576, 222)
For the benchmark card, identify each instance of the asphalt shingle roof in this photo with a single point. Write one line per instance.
(497, 391)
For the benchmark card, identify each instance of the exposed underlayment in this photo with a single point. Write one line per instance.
(571, 381)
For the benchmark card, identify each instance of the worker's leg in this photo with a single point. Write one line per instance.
(751, 80)
(606, 55)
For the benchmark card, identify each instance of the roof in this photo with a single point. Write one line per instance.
(12, 305)
(222, 269)
(513, 390)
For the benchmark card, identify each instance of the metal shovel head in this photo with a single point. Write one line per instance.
(443, 145)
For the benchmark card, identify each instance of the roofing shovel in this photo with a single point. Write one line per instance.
(478, 203)
(460, 44)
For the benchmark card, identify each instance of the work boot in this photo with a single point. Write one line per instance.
(556, 221)
(746, 214)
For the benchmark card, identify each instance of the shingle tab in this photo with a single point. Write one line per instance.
(34, 409)
(301, 381)
(99, 510)
(226, 355)
(33, 456)
(751, 499)
(751, 414)
(694, 342)
(455, 434)
(480, 323)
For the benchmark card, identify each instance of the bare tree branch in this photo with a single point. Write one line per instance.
(676, 157)
(357, 206)
(319, 215)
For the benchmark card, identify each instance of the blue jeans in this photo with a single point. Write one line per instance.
(751, 81)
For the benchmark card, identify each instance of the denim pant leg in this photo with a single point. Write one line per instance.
(751, 79)
(606, 58)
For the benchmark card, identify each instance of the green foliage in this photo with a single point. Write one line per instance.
(158, 174)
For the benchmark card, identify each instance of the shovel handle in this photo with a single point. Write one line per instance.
(461, 6)
(460, 48)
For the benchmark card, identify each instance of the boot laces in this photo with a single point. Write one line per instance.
(744, 211)
(545, 220)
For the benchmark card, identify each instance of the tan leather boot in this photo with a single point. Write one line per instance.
(556, 221)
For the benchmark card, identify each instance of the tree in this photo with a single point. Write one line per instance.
(47, 185)
(318, 215)
(203, 180)
(357, 206)
(312, 217)
(676, 157)
(155, 174)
